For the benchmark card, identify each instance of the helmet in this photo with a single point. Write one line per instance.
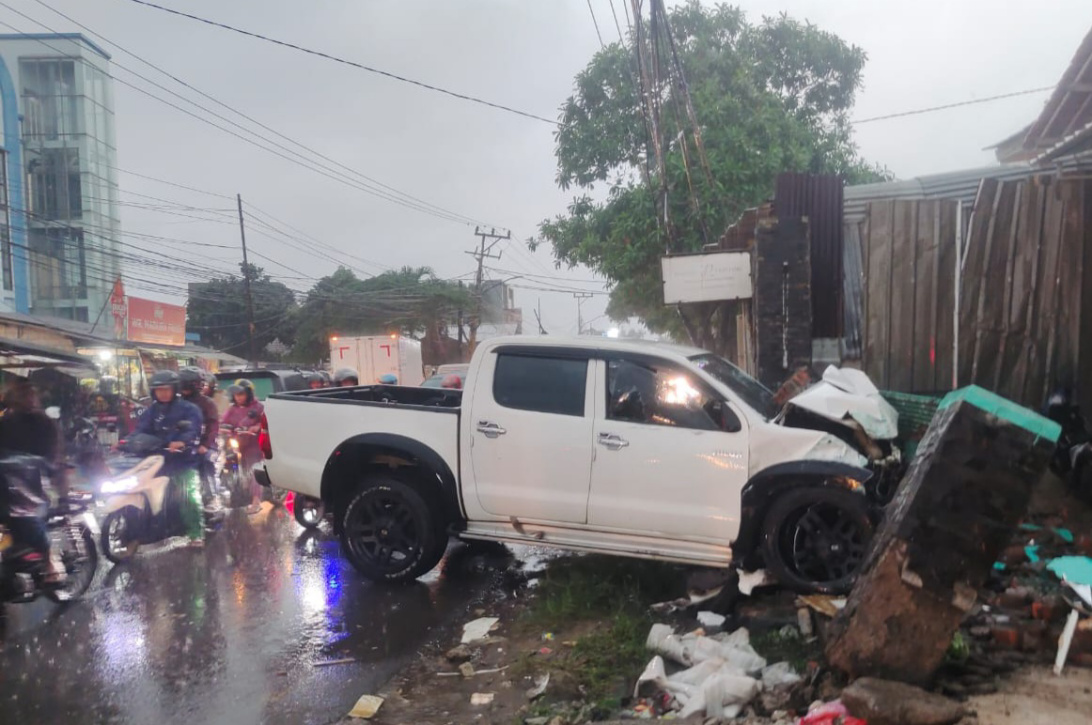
(452, 381)
(165, 379)
(342, 376)
(191, 378)
(315, 380)
(242, 385)
(388, 379)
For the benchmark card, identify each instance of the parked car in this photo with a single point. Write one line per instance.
(436, 380)
(620, 447)
(266, 381)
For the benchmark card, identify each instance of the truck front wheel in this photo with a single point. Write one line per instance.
(389, 533)
(814, 540)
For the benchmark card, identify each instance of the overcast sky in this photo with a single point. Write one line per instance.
(480, 162)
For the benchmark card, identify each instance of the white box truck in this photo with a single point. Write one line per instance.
(376, 355)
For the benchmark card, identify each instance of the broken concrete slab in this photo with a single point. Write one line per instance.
(954, 513)
(882, 702)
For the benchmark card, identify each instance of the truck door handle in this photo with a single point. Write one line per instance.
(490, 429)
(612, 441)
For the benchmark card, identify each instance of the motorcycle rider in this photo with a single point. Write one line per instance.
(178, 424)
(246, 414)
(193, 383)
(25, 428)
(346, 378)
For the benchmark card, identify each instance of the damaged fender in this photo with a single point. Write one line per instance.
(768, 484)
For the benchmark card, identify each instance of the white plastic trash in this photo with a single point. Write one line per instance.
(478, 629)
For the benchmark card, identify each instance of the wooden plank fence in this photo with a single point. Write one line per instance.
(1025, 289)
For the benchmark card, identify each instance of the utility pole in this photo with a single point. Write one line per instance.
(246, 284)
(481, 254)
(580, 297)
(538, 318)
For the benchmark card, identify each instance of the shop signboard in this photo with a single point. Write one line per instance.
(156, 322)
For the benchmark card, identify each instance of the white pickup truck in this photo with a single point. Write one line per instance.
(627, 448)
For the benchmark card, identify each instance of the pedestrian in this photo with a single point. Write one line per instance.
(177, 423)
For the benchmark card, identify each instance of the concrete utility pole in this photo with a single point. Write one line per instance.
(580, 297)
(481, 254)
(246, 283)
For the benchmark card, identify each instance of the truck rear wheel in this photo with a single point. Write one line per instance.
(389, 532)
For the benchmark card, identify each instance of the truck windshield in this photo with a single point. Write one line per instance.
(750, 391)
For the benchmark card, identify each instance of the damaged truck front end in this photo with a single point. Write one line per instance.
(846, 406)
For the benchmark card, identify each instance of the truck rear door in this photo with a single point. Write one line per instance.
(530, 425)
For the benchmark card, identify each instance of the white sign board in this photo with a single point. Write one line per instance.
(707, 277)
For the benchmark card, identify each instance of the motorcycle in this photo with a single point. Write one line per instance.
(1073, 455)
(71, 529)
(142, 507)
(234, 475)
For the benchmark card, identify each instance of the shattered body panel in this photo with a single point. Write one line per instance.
(848, 396)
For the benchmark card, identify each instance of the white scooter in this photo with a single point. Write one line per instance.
(142, 506)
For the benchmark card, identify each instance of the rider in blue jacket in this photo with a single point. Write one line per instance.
(178, 424)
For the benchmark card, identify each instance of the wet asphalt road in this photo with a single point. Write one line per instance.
(234, 633)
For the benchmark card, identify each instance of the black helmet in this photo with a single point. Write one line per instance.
(314, 379)
(165, 379)
(345, 374)
(192, 378)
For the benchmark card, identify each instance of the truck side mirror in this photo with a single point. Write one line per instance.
(726, 418)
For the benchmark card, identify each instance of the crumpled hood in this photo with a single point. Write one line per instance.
(772, 444)
(847, 394)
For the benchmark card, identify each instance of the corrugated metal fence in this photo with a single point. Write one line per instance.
(819, 198)
(1024, 289)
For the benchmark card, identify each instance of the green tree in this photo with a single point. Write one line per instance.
(217, 311)
(768, 97)
(410, 301)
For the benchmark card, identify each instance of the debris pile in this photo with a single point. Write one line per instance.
(723, 674)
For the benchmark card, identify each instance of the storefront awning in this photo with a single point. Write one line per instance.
(19, 354)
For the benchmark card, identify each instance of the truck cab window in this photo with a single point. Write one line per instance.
(640, 392)
(541, 384)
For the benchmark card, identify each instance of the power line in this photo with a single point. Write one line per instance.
(343, 61)
(596, 24)
(617, 25)
(251, 119)
(946, 106)
(300, 159)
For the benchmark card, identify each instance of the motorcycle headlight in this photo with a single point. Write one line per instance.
(118, 486)
(235, 443)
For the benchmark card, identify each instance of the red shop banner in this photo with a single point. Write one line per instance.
(156, 322)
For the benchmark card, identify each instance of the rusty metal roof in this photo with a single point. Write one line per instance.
(1066, 113)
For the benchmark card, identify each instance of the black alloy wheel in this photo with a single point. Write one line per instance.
(815, 540)
(390, 533)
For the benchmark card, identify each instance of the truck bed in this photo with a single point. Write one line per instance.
(385, 395)
(306, 427)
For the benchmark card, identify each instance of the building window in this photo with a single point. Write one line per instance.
(53, 175)
(59, 263)
(50, 102)
(5, 224)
